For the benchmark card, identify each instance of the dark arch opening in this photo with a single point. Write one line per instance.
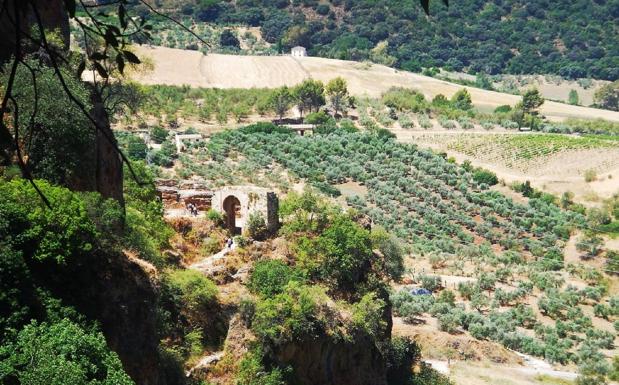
(232, 208)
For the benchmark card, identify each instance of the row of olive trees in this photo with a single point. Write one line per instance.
(310, 96)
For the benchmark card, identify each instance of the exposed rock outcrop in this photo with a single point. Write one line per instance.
(109, 167)
(121, 296)
(322, 361)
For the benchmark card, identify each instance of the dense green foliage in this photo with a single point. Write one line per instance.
(59, 139)
(42, 340)
(61, 352)
(270, 277)
(512, 36)
(332, 271)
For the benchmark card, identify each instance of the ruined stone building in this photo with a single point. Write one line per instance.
(237, 203)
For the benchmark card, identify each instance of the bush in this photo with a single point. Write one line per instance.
(270, 277)
(341, 255)
(392, 253)
(192, 288)
(401, 355)
(367, 315)
(448, 322)
(406, 121)
(590, 176)
(446, 123)
(503, 109)
(60, 235)
(318, 118)
(256, 226)
(215, 216)
(253, 372)
(430, 282)
(289, 315)
(424, 122)
(461, 100)
(159, 134)
(403, 99)
(409, 306)
(465, 123)
(211, 245)
(484, 176)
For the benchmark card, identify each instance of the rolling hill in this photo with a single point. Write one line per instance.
(183, 67)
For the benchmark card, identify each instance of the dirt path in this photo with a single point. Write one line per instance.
(532, 368)
(206, 264)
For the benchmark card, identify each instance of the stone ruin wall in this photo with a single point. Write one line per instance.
(252, 199)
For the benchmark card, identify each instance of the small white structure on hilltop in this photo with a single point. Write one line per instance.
(181, 141)
(298, 51)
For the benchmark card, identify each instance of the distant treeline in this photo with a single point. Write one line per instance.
(574, 39)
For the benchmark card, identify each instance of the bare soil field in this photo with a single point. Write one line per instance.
(182, 67)
(555, 173)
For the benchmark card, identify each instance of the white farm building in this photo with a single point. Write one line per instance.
(298, 51)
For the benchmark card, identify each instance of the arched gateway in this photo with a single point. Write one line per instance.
(232, 208)
(239, 202)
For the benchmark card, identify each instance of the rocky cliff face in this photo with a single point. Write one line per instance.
(121, 296)
(322, 361)
(109, 167)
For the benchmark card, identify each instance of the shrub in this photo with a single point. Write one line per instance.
(215, 216)
(503, 109)
(241, 241)
(253, 372)
(462, 100)
(391, 250)
(256, 226)
(61, 234)
(348, 125)
(448, 322)
(341, 255)
(509, 124)
(424, 122)
(403, 99)
(484, 176)
(590, 176)
(446, 123)
(270, 277)
(406, 121)
(465, 123)
(289, 315)
(409, 306)
(192, 288)
(430, 282)
(400, 356)
(447, 296)
(367, 315)
(317, 118)
(487, 125)
(159, 134)
(211, 245)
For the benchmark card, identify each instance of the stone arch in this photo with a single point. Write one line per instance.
(232, 208)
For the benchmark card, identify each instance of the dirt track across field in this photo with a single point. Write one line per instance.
(182, 67)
